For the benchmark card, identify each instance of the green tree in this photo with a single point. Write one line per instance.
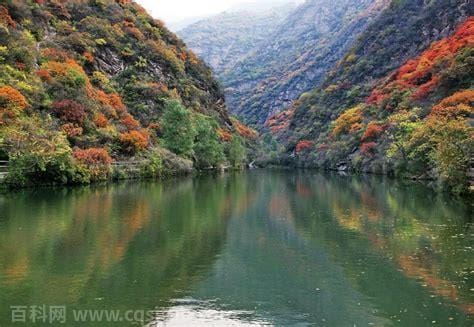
(237, 153)
(178, 129)
(208, 151)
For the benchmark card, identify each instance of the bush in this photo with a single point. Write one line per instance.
(95, 161)
(134, 141)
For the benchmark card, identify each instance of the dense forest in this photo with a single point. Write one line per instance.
(97, 89)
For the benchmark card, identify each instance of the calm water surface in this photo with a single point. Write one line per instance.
(255, 248)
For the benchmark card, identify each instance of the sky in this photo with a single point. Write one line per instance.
(177, 10)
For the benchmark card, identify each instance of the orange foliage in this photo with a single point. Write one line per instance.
(12, 99)
(134, 141)
(93, 157)
(112, 100)
(129, 122)
(459, 104)
(243, 130)
(372, 132)
(72, 130)
(115, 101)
(5, 17)
(58, 69)
(224, 135)
(101, 121)
(304, 145)
(89, 57)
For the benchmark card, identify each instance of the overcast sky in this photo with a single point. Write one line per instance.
(177, 10)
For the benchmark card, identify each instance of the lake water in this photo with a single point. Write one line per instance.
(251, 248)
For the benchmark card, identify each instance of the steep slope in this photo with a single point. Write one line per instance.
(379, 111)
(86, 82)
(227, 38)
(297, 56)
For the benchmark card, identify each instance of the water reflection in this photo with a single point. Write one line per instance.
(255, 248)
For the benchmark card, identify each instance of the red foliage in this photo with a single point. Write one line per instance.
(280, 121)
(93, 157)
(55, 54)
(134, 141)
(323, 147)
(422, 73)
(5, 17)
(20, 65)
(69, 111)
(44, 75)
(368, 148)
(376, 97)
(304, 145)
(372, 132)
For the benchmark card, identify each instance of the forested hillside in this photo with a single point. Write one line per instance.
(400, 101)
(86, 83)
(293, 57)
(225, 39)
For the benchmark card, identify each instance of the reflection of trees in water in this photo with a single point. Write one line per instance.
(128, 244)
(412, 227)
(270, 271)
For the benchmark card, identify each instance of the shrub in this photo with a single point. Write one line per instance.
(304, 145)
(368, 148)
(69, 111)
(101, 121)
(134, 141)
(96, 162)
(348, 122)
(372, 132)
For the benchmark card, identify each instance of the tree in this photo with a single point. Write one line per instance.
(178, 130)
(208, 151)
(237, 153)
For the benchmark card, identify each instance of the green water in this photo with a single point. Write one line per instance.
(254, 248)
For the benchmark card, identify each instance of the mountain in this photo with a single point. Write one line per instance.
(399, 102)
(85, 83)
(296, 57)
(225, 39)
